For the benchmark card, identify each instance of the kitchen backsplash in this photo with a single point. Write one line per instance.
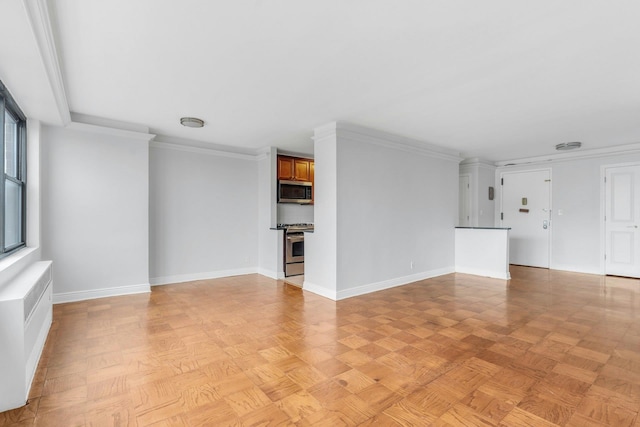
(290, 213)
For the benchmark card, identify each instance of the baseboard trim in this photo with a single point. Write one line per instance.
(392, 283)
(484, 273)
(270, 273)
(374, 287)
(59, 298)
(319, 290)
(574, 269)
(180, 278)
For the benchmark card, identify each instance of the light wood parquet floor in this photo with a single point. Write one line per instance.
(547, 348)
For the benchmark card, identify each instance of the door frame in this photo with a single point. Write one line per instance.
(550, 170)
(603, 210)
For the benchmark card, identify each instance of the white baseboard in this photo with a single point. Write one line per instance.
(484, 273)
(180, 278)
(271, 273)
(374, 287)
(100, 293)
(577, 269)
(319, 290)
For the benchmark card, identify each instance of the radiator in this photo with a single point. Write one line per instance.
(25, 318)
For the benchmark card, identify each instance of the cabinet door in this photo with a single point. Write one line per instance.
(285, 168)
(301, 169)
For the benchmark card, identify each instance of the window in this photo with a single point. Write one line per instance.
(13, 175)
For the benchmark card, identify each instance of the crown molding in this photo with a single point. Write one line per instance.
(476, 162)
(384, 139)
(579, 154)
(120, 133)
(101, 121)
(160, 143)
(40, 21)
(295, 154)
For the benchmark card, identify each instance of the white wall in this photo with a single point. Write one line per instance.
(395, 204)
(485, 207)
(292, 213)
(270, 242)
(481, 177)
(95, 211)
(203, 213)
(576, 235)
(320, 247)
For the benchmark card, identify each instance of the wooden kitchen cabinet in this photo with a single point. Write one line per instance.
(301, 169)
(294, 168)
(285, 168)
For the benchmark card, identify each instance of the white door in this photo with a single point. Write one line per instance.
(622, 219)
(526, 209)
(464, 211)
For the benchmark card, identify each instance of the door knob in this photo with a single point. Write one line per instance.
(545, 224)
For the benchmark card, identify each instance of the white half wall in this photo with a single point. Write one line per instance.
(95, 210)
(386, 208)
(483, 252)
(203, 213)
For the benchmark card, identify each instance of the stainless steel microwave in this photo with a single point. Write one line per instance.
(294, 192)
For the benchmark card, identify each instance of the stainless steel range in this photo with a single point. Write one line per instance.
(294, 248)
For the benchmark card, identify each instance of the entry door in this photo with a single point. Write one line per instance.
(622, 219)
(464, 211)
(526, 209)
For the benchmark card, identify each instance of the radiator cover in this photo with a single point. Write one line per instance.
(25, 320)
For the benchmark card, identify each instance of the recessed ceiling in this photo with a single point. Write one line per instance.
(493, 79)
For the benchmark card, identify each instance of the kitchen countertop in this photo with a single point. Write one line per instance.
(284, 228)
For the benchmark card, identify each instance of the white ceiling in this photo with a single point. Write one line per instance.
(498, 79)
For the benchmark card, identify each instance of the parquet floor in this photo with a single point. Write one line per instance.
(547, 348)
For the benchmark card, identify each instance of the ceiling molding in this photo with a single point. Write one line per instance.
(121, 133)
(578, 154)
(208, 147)
(40, 22)
(295, 154)
(385, 139)
(101, 121)
(204, 150)
(478, 163)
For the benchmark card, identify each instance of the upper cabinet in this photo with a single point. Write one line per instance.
(294, 168)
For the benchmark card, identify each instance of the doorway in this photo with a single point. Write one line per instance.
(526, 209)
(622, 219)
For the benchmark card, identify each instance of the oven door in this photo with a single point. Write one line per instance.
(294, 251)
